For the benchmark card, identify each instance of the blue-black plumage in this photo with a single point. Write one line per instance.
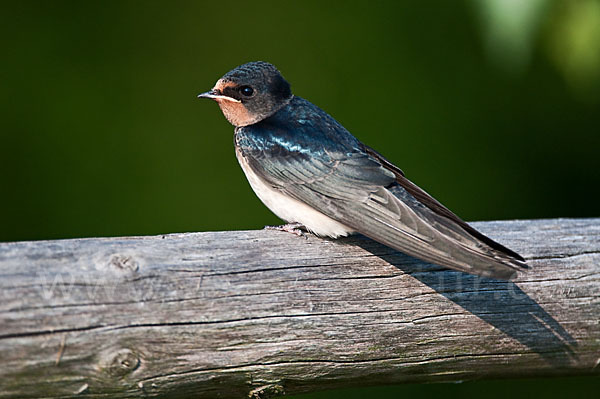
(309, 170)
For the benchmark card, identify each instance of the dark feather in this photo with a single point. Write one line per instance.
(435, 205)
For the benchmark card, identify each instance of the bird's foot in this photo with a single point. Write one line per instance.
(294, 228)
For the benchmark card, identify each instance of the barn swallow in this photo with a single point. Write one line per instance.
(310, 171)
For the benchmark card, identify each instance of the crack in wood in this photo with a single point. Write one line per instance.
(400, 360)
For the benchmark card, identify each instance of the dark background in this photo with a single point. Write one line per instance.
(491, 106)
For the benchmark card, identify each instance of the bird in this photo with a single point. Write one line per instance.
(313, 173)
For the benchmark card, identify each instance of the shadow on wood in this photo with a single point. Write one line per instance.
(503, 305)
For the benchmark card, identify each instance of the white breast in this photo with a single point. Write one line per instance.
(290, 209)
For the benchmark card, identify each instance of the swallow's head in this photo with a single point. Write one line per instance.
(250, 93)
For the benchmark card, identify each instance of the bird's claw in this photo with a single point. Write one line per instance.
(294, 228)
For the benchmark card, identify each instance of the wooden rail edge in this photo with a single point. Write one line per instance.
(264, 313)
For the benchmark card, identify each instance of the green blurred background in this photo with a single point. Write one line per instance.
(493, 106)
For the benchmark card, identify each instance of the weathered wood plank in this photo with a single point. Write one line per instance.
(260, 313)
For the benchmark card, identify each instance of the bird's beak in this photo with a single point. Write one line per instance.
(215, 95)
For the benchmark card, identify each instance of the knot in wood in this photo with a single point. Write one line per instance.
(124, 263)
(122, 363)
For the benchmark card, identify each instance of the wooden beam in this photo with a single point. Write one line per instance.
(263, 313)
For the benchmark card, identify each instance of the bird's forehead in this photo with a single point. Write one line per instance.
(239, 79)
(223, 84)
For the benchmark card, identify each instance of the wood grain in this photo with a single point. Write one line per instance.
(265, 313)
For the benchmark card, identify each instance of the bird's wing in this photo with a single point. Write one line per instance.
(358, 189)
(434, 205)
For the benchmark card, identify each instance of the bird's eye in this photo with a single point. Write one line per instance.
(246, 91)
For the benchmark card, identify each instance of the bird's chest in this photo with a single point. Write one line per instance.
(290, 209)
